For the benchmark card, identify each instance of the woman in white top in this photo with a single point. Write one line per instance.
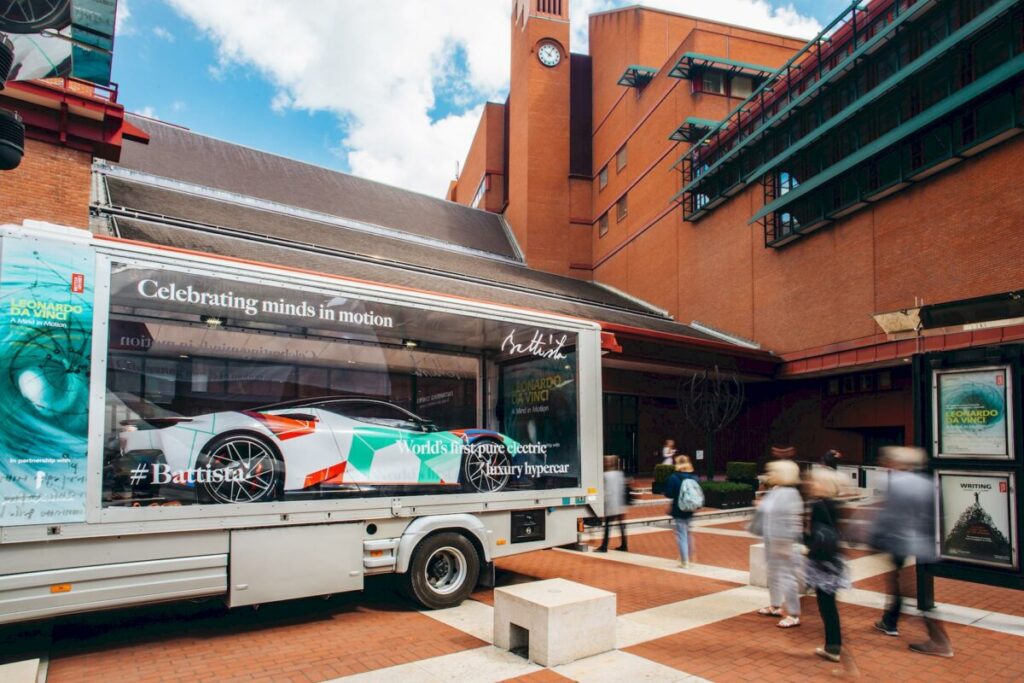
(668, 452)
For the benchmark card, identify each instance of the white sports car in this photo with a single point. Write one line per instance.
(257, 455)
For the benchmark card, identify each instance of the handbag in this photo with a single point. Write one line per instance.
(823, 540)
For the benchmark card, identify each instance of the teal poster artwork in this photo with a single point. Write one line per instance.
(972, 413)
(46, 294)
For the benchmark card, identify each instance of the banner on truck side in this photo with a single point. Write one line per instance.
(46, 293)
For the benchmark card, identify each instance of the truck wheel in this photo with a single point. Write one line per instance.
(251, 471)
(444, 571)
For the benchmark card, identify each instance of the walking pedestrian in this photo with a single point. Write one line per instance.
(668, 452)
(905, 527)
(686, 499)
(614, 502)
(778, 521)
(826, 570)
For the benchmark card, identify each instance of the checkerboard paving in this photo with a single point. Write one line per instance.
(673, 625)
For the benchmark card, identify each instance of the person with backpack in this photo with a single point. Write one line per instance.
(615, 496)
(826, 570)
(683, 489)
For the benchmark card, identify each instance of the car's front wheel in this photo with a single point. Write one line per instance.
(239, 468)
(444, 570)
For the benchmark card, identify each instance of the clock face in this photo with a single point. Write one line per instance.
(549, 54)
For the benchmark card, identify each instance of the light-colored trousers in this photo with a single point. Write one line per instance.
(780, 563)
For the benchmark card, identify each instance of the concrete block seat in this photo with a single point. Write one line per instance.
(558, 621)
(759, 566)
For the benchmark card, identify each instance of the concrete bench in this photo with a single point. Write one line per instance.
(557, 621)
(759, 567)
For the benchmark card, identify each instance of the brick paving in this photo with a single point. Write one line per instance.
(302, 640)
(952, 591)
(637, 588)
(750, 647)
(542, 676)
(315, 640)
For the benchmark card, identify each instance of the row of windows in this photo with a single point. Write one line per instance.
(620, 163)
(621, 211)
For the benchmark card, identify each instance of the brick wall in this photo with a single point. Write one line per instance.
(51, 184)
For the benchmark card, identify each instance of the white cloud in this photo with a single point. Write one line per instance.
(122, 19)
(148, 111)
(381, 66)
(163, 34)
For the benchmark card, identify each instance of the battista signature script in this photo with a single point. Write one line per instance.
(540, 345)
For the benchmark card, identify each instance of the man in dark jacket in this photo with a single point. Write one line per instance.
(681, 518)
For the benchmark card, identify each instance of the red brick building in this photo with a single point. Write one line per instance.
(856, 212)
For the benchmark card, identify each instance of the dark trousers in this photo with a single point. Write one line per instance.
(621, 519)
(830, 615)
(936, 631)
(895, 603)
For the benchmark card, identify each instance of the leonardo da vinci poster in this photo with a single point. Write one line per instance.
(972, 419)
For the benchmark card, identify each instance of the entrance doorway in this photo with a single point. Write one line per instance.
(877, 438)
(620, 429)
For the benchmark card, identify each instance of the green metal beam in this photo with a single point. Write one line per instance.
(718, 63)
(868, 46)
(687, 130)
(965, 32)
(979, 87)
(635, 76)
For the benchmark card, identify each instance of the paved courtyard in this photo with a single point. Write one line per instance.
(673, 625)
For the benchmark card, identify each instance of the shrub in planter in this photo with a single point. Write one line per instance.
(661, 475)
(727, 494)
(742, 473)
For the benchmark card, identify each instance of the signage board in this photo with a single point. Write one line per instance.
(972, 414)
(46, 294)
(977, 520)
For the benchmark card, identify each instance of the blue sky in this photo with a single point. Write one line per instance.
(392, 93)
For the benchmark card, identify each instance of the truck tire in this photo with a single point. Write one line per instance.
(444, 570)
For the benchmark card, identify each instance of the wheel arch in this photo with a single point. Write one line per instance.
(243, 431)
(464, 524)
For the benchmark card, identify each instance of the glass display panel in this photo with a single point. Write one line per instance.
(971, 411)
(977, 517)
(223, 390)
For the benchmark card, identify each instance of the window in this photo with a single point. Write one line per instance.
(621, 208)
(742, 86)
(602, 225)
(281, 362)
(371, 412)
(787, 182)
(620, 158)
(478, 198)
(713, 82)
(602, 178)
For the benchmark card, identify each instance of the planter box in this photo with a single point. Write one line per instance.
(727, 500)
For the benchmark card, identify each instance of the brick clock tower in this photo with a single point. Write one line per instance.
(538, 133)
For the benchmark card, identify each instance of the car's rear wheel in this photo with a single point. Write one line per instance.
(486, 466)
(444, 570)
(240, 468)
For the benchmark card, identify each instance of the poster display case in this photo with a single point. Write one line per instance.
(972, 416)
(977, 517)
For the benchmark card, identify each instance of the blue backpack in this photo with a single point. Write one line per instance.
(691, 496)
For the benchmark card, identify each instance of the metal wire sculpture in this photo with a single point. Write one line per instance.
(710, 400)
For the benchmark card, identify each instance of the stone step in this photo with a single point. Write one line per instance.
(25, 671)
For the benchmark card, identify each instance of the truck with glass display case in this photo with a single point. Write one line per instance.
(178, 425)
